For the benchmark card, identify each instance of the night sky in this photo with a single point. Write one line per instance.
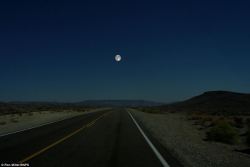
(171, 50)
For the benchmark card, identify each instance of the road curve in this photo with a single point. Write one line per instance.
(102, 139)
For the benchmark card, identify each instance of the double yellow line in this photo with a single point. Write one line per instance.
(62, 139)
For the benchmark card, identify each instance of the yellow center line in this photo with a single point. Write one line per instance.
(62, 139)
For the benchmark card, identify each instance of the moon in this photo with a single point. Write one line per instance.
(118, 58)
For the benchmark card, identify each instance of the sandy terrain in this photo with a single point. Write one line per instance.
(186, 142)
(17, 122)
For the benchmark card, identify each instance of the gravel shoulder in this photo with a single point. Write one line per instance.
(18, 122)
(187, 143)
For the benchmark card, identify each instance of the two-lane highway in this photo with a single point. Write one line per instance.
(103, 139)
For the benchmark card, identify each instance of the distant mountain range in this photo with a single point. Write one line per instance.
(216, 102)
(19, 107)
(98, 103)
(120, 103)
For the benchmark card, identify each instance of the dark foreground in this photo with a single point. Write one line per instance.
(107, 138)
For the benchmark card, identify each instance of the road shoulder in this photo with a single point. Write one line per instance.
(184, 142)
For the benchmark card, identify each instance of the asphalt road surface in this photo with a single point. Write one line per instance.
(102, 139)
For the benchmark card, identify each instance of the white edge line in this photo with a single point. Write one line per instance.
(38, 126)
(157, 153)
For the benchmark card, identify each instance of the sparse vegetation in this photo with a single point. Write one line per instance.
(150, 110)
(238, 122)
(2, 123)
(248, 137)
(223, 132)
(248, 131)
(207, 121)
(195, 117)
(14, 120)
(30, 114)
(248, 122)
(203, 120)
(223, 129)
(20, 108)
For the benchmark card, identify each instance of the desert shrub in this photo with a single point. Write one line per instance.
(195, 117)
(20, 114)
(30, 113)
(2, 123)
(198, 119)
(248, 122)
(150, 110)
(14, 120)
(223, 132)
(218, 120)
(207, 118)
(248, 131)
(207, 121)
(238, 122)
(248, 137)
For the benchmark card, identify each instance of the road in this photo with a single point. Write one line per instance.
(103, 139)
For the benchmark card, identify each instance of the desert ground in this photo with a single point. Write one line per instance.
(184, 139)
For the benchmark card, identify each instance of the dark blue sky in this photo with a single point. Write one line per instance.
(64, 50)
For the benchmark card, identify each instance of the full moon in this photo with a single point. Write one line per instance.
(118, 58)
